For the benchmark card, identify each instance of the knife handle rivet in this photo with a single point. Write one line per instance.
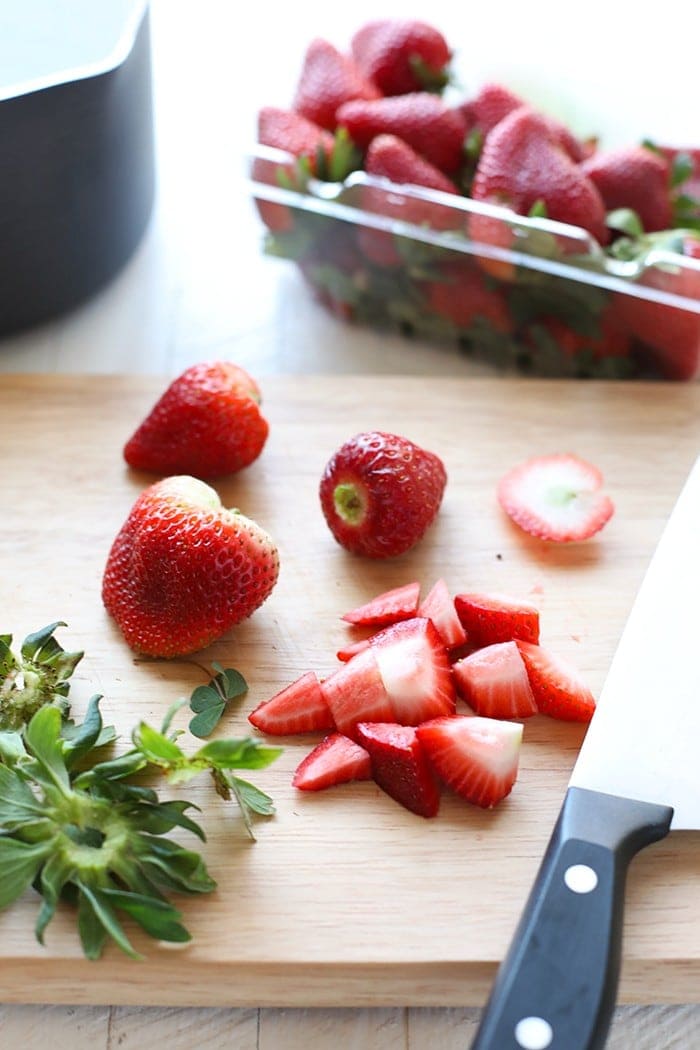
(533, 1033)
(580, 878)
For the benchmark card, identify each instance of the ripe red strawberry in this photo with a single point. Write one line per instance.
(415, 671)
(328, 78)
(356, 693)
(423, 121)
(402, 55)
(392, 158)
(183, 569)
(637, 178)
(463, 297)
(351, 649)
(558, 688)
(523, 163)
(380, 492)
(336, 760)
(207, 423)
(298, 708)
(439, 607)
(490, 618)
(556, 497)
(284, 129)
(494, 682)
(399, 766)
(399, 603)
(477, 757)
(612, 340)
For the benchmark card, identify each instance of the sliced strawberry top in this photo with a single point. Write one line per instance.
(477, 757)
(415, 670)
(336, 760)
(399, 603)
(494, 682)
(557, 686)
(298, 708)
(400, 767)
(439, 607)
(494, 617)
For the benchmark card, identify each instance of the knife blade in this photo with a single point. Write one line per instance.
(635, 779)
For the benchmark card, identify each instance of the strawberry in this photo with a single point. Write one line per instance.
(351, 649)
(439, 607)
(298, 708)
(477, 757)
(557, 687)
(296, 134)
(356, 693)
(399, 766)
(183, 569)
(207, 423)
(415, 671)
(612, 339)
(394, 159)
(494, 682)
(400, 603)
(556, 498)
(493, 617)
(402, 55)
(463, 297)
(423, 121)
(336, 760)
(328, 78)
(637, 178)
(380, 492)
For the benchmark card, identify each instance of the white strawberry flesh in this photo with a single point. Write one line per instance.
(476, 757)
(415, 671)
(356, 693)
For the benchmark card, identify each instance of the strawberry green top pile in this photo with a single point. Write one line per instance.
(383, 111)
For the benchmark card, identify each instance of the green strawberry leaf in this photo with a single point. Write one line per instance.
(205, 722)
(204, 696)
(682, 168)
(625, 220)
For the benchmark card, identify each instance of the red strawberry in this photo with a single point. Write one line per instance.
(439, 607)
(612, 340)
(284, 129)
(402, 55)
(298, 708)
(420, 119)
(490, 618)
(415, 671)
(556, 497)
(183, 569)
(336, 760)
(380, 492)
(328, 78)
(351, 649)
(477, 757)
(637, 178)
(463, 297)
(557, 687)
(523, 163)
(394, 159)
(400, 603)
(399, 766)
(356, 693)
(207, 423)
(494, 682)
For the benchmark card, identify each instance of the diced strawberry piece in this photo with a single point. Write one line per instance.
(439, 607)
(298, 708)
(558, 688)
(399, 766)
(494, 682)
(356, 693)
(415, 670)
(477, 757)
(352, 649)
(336, 760)
(556, 498)
(489, 618)
(400, 603)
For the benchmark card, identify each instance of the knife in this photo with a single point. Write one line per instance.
(637, 777)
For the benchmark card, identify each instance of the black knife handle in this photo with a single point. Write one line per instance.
(556, 989)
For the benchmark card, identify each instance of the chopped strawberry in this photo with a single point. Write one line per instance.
(477, 757)
(439, 607)
(494, 682)
(356, 693)
(415, 670)
(336, 760)
(298, 708)
(556, 498)
(400, 603)
(351, 649)
(400, 767)
(558, 688)
(494, 617)
(327, 79)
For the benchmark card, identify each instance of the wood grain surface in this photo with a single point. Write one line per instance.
(345, 898)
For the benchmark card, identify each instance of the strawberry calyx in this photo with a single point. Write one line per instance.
(38, 676)
(429, 78)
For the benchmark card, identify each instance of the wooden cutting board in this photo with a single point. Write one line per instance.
(345, 898)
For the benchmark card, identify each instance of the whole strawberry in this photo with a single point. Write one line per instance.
(637, 178)
(394, 159)
(380, 492)
(402, 55)
(207, 423)
(183, 569)
(328, 78)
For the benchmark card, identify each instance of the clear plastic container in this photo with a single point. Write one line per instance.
(520, 293)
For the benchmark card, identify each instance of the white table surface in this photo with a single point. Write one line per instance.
(198, 288)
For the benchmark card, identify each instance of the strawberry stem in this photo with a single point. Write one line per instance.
(348, 503)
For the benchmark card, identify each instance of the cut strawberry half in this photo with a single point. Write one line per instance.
(556, 497)
(347, 652)
(336, 760)
(477, 757)
(490, 618)
(439, 607)
(298, 708)
(558, 688)
(415, 670)
(494, 682)
(389, 607)
(400, 767)
(356, 693)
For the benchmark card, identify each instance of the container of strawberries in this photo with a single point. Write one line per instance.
(481, 220)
